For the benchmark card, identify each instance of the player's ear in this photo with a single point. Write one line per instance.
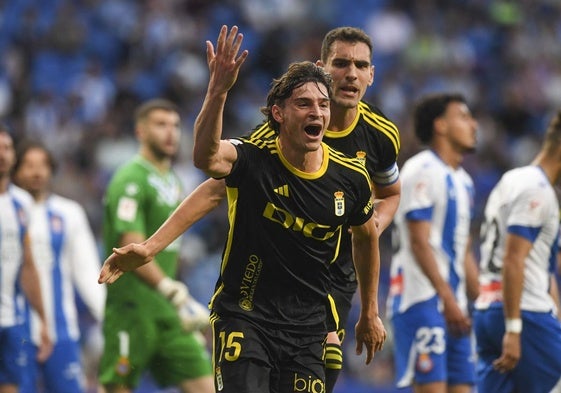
(372, 73)
(439, 125)
(276, 111)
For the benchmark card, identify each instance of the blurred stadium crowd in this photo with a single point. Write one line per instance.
(73, 71)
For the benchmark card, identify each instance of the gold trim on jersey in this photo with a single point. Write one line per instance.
(334, 312)
(260, 143)
(346, 131)
(338, 246)
(264, 131)
(305, 175)
(350, 162)
(378, 122)
(232, 194)
(213, 318)
(215, 294)
(381, 124)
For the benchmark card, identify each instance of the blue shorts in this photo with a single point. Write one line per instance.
(13, 358)
(425, 353)
(539, 367)
(62, 372)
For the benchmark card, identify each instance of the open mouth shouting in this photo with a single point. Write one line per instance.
(313, 130)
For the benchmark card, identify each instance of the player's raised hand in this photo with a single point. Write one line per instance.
(123, 259)
(225, 63)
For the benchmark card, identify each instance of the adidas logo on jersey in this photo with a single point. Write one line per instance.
(282, 190)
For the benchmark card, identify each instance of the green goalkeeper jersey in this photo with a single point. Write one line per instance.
(139, 198)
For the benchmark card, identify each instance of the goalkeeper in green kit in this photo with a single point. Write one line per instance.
(151, 322)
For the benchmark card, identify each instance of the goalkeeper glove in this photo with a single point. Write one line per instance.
(175, 291)
(193, 315)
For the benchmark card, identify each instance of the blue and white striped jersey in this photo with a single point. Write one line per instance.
(431, 191)
(523, 203)
(67, 259)
(14, 215)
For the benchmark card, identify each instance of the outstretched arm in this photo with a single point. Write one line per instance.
(205, 198)
(369, 329)
(210, 154)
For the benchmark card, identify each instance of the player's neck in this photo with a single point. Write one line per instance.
(162, 164)
(4, 183)
(39, 196)
(341, 117)
(309, 161)
(448, 155)
(550, 165)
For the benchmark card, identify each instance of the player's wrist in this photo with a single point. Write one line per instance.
(513, 325)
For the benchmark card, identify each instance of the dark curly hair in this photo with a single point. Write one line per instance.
(428, 109)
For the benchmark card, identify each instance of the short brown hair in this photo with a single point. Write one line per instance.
(144, 110)
(345, 34)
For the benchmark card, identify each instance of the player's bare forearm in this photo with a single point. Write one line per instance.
(366, 257)
(422, 251)
(386, 203)
(472, 274)
(458, 323)
(30, 281)
(208, 133)
(370, 331)
(205, 198)
(517, 249)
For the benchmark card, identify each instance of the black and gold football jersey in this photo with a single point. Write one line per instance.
(373, 139)
(286, 228)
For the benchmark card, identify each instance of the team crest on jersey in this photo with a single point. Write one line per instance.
(424, 363)
(339, 203)
(361, 156)
(123, 366)
(127, 208)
